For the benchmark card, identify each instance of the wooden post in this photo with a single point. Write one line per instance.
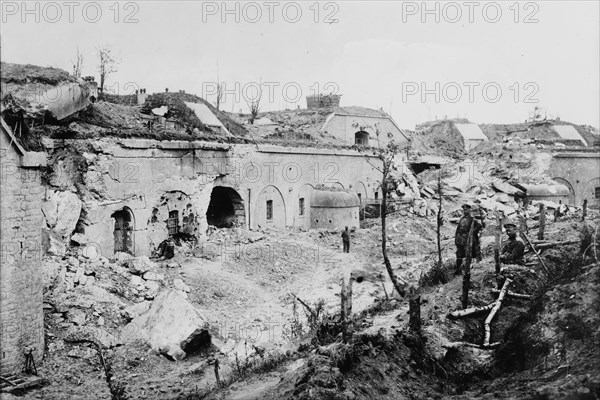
(498, 237)
(346, 306)
(542, 222)
(467, 267)
(217, 372)
(414, 312)
(440, 221)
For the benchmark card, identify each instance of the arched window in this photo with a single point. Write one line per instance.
(361, 138)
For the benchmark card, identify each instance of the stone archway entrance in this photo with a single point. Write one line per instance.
(226, 208)
(123, 232)
(566, 183)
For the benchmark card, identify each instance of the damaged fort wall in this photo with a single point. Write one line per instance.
(21, 286)
(283, 176)
(580, 172)
(135, 193)
(152, 181)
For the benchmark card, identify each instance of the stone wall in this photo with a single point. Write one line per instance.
(323, 100)
(580, 172)
(344, 127)
(152, 178)
(21, 286)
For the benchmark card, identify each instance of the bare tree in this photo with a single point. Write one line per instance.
(77, 64)
(220, 87)
(107, 64)
(219, 94)
(254, 104)
(387, 156)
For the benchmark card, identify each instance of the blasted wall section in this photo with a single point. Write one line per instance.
(153, 178)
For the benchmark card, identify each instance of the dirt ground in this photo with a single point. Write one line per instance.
(242, 281)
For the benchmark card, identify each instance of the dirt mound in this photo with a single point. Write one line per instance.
(27, 73)
(301, 124)
(179, 111)
(438, 137)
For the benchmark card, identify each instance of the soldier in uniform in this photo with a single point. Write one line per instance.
(513, 250)
(461, 237)
(346, 240)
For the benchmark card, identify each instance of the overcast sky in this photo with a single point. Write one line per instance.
(486, 61)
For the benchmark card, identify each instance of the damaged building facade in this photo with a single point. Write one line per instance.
(141, 192)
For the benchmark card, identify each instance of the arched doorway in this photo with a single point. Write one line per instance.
(361, 138)
(269, 209)
(591, 192)
(566, 183)
(361, 191)
(226, 208)
(123, 232)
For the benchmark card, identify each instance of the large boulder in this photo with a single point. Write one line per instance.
(62, 210)
(171, 326)
(139, 265)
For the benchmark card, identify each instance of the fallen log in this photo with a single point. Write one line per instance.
(455, 345)
(515, 295)
(470, 311)
(542, 246)
(488, 320)
(515, 267)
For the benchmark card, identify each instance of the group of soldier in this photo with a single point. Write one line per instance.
(512, 251)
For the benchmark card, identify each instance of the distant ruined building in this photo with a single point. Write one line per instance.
(323, 100)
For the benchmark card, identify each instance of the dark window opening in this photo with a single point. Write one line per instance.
(269, 209)
(419, 167)
(376, 195)
(173, 223)
(226, 208)
(123, 233)
(361, 138)
(597, 192)
(301, 206)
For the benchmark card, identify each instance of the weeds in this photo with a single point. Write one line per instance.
(256, 363)
(314, 315)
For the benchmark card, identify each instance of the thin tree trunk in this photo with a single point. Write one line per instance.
(467, 268)
(386, 260)
(439, 222)
(414, 312)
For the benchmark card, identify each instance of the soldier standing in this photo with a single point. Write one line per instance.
(346, 240)
(514, 249)
(461, 237)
